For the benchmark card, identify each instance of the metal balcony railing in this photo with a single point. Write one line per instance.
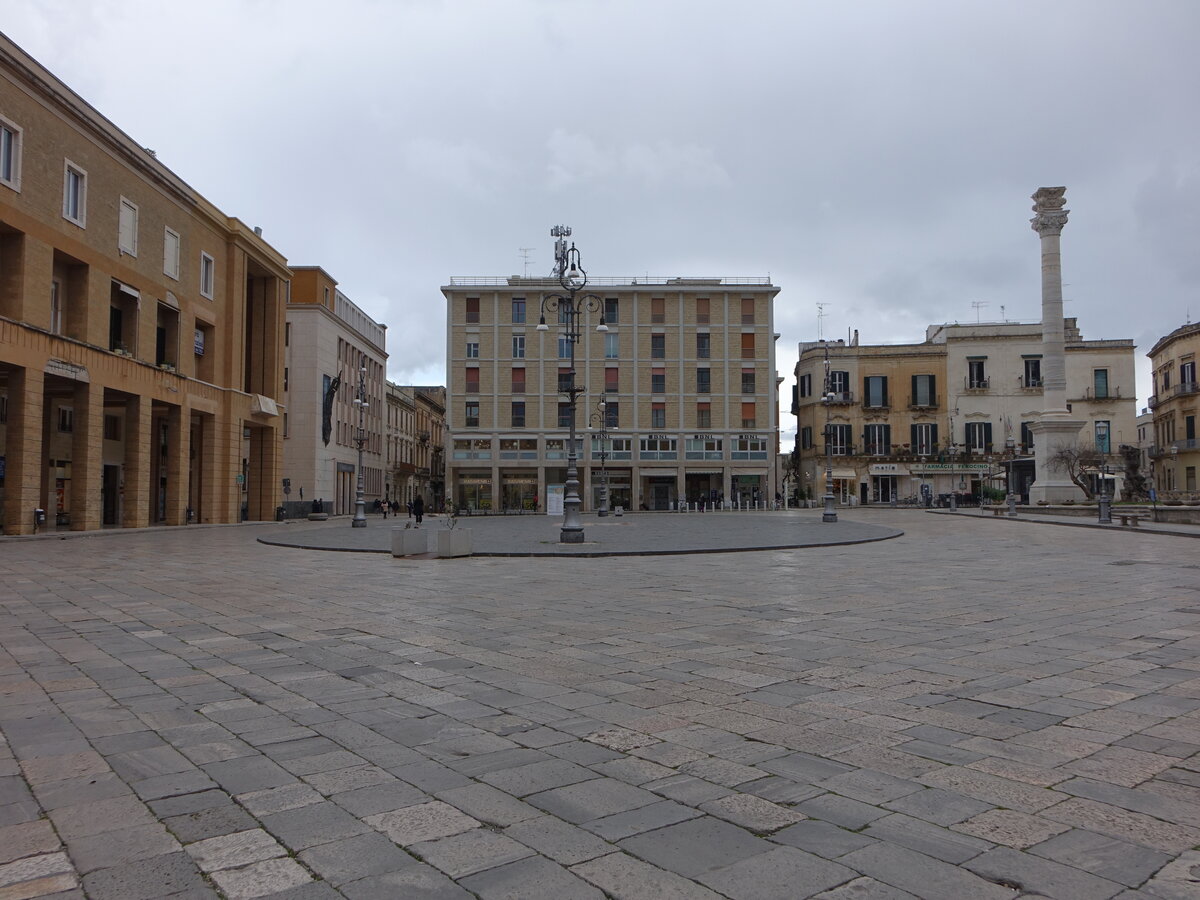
(1029, 384)
(977, 384)
(840, 398)
(1113, 393)
(923, 403)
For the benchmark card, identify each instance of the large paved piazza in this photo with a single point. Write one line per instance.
(977, 708)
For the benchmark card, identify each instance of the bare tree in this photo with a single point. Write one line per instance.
(1075, 460)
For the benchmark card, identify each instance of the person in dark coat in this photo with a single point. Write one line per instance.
(418, 507)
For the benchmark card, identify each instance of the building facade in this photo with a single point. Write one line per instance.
(141, 329)
(953, 414)
(1174, 454)
(331, 345)
(430, 481)
(400, 439)
(686, 370)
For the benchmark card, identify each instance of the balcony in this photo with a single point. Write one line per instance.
(1185, 388)
(1173, 449)
(1092, 395)
(977, 384)
(840, 398)
(1029, 383)
(1152, 402)
(881, 405)
(923, 402)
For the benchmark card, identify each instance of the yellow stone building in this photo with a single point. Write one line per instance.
(1174, 455)
(141, 329)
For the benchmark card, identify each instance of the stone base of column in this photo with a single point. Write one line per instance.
(1051, 484)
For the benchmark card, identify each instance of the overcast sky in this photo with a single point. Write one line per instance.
(876, 157)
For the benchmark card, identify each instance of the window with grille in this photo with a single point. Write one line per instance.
(875, 393)
(658, 346)
(518, 414)
(702, 310)
(703, 345)
(877, 440)
(748, 381)
(747, 311)
(658, 309)
(703, 381)
(748, 345)
(924, 438)
(472, 380)
(703, 415)
(838, 439)
(976, 375)
(471, 413)
(924, 390)
(612, 311)
(611, 380)
(658, 415)
(518, 310)
(658, 381)
(749, 416)
(979, 437)
(518, 381)
(1033, 373)
(472, 310)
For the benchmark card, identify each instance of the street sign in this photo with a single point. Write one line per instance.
(240, 478)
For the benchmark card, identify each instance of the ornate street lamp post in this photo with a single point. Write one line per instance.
(600, 420)
(829, 514)
(570, 306)
(360, 505)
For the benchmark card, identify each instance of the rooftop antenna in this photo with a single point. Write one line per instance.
(560, 233)
(978, 304)
(821, 321)
(525, 251)
(1002, 316)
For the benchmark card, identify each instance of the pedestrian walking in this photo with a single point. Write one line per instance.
(418, 508)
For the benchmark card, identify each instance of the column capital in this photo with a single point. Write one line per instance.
(1050, 217)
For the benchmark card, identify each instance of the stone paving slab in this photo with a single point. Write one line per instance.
(967, 708)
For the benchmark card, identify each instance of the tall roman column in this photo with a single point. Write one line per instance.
(1055, 428)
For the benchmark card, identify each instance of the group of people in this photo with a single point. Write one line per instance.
(415, 507)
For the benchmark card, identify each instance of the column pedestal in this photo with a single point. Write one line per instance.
(1052, 484)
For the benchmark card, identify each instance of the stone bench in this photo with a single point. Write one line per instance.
(1130, 520)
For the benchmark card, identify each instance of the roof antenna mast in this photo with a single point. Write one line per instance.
(525, 252)
(821, 321)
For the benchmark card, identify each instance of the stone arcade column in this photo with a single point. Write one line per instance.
(1054, 428)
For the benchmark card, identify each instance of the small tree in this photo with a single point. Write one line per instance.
(1075, 460)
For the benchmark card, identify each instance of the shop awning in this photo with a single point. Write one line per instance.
(844, 473)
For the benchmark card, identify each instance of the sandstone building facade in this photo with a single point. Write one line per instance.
(954, 413)
(141, 329)
(1174, 454)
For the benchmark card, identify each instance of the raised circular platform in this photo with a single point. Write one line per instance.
(637, 534)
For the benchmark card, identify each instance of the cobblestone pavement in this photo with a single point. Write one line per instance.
(975, 709)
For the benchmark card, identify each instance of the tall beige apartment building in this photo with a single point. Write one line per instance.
(686, 370)
(1175, 455)
(141, 328)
